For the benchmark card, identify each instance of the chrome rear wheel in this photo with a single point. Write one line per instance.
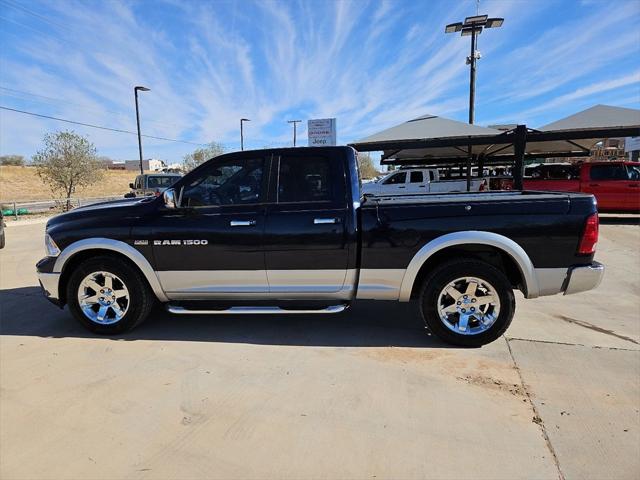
(468, 305)
(467, 302)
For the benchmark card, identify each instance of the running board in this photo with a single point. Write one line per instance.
(254, 310)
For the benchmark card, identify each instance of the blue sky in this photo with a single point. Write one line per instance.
(371, 64)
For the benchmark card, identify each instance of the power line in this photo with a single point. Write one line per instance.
(51, 100)
(35, 14)
(97, 126)
(57, 100)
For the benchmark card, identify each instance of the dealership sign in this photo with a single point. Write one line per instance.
(322, 132)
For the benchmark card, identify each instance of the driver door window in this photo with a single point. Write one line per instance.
(234, 182)
(396, 179)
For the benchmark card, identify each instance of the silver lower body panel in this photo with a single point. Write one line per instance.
(259, 284)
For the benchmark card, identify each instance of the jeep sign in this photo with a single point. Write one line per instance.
(322, 132)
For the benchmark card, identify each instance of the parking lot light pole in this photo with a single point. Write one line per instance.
(242, 120)
(472, 26)
(135, 93)
(294, 129)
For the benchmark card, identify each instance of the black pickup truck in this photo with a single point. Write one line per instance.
(288, 231)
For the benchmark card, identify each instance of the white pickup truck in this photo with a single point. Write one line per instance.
(412, 181)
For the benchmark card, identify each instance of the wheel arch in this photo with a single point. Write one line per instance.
(87, 248)
(513, 260)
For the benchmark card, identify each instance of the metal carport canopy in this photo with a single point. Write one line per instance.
(437, 139)
(432, 139)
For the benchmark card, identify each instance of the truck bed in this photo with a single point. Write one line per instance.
(547, 225)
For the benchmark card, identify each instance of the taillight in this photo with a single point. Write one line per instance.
(589, 238)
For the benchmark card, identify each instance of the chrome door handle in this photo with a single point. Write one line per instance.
(242, 223)
(324, 221)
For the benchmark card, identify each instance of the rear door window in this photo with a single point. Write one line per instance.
(305, 180)
(609, 172)
(416, 177)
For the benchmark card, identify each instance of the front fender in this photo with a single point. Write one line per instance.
(114, 246)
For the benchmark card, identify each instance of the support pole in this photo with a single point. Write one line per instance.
(472, 78)
(519, 147)
(469, 160)
(135, 90)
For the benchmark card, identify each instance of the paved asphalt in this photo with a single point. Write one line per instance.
(364, 394)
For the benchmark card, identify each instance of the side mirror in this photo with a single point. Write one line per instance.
(169, 197)
(131, 186)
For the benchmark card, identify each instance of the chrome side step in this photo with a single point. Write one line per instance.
(254, 310)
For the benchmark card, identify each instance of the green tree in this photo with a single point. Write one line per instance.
(201, 155)
(67, 161)
(366, 166)
(16, 160)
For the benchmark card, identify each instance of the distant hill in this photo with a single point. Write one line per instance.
(22, 183)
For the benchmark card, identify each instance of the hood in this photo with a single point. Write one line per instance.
(124, 208)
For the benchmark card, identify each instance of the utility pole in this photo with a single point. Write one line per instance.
(294, 129)
(242, 120)
(135, 93)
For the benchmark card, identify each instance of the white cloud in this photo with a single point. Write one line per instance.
(369, 63)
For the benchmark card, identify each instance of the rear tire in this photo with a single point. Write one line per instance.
(467, 302)
(108, 296)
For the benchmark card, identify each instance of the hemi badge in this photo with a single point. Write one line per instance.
(141, 242)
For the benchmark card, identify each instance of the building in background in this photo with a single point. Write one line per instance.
(149, 165)
(608, 150)
(632, 148)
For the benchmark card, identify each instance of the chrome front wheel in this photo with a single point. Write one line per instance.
(103, 297)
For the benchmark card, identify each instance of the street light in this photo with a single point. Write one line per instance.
(472, 27)
(242, 132)
(294, 129)
(135, 93)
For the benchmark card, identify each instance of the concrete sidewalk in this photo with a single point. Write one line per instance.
(360, 395)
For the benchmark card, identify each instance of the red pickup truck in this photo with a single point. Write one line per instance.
(616, 185)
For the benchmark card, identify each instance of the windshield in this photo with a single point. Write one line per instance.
(634, 172)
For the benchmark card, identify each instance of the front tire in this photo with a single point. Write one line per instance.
(108, 296)
(467, 302)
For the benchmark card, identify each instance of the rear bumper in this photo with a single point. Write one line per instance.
(49, 283)
(581, 279)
